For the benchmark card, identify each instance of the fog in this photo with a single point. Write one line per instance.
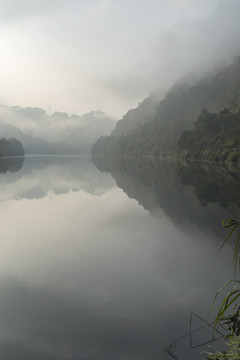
(107, 263)
(40, 132)
(108, 54)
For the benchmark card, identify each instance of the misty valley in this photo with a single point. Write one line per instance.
(120, 180)
(108, 259)
(111, 230)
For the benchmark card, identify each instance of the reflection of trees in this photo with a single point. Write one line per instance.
(11, 164)
(212, 183)
(187, 192)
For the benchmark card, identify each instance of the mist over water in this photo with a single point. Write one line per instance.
(108, 258)
(93, 267)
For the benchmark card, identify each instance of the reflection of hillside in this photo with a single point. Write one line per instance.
(213, 183)
(11, 164)
(41, 175)
(193, 193)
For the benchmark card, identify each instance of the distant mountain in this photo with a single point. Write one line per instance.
(55, 134)
(154, 127)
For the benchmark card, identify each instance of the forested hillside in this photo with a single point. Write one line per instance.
(162, 124)
(214, 137)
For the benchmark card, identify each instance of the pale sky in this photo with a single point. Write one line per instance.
(84, 55)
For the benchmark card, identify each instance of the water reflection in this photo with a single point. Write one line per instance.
(197, 193)
(45, 326)
(41, 175)
(11, 164)
(87, 273)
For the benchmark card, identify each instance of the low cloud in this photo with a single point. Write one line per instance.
(107, 54)
(199, 38)
(14, 9)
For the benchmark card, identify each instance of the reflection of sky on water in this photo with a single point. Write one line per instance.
(97, 277)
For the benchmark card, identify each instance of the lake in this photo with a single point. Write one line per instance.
(107, 259)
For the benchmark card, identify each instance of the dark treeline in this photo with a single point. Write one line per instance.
(214, 137)
(11, 147)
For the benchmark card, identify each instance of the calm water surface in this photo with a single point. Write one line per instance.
(108, 261)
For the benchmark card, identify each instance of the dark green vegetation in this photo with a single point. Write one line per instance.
(177, 125)
(215, 137)
(232, 354)
(11, 147)
(229, 312)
